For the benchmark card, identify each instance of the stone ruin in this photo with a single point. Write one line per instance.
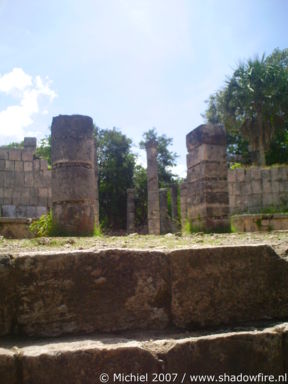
(204, 196)
(29, 189)
(25, 188)
(25, 181)
(73, 175)
(210, 194)
(131, 228)
(207, 198)
(159, 220)
(153, 189)
(85, 316)
(193, 311)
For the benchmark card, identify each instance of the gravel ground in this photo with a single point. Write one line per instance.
(277, 239)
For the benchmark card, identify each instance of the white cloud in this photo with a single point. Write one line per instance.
(16, 80)
(32, 93)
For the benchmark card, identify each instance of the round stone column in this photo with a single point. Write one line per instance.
(73, 178)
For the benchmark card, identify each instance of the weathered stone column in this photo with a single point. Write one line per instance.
(183, 204)
(153, 189)
(73, 177)
(130, 210)
(165, 221)
(96, 203)
(207, 191)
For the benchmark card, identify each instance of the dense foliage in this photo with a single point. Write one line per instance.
(14, 145)
(140, 185)
(116, 164)
(44, 149)
(253, 106)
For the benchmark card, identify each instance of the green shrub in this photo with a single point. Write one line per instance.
(97, 231)
(43, 226)
(236, 165)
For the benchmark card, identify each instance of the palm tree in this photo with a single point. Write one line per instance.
(255, 102)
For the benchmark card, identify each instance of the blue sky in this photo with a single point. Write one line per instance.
(133, 64)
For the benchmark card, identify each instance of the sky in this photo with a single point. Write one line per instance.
(130, 64)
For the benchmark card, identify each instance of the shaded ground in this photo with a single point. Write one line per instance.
(277, 239)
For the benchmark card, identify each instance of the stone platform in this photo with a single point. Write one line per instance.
(200, 311)
(15, 227)
(152, 357)
(56, 293)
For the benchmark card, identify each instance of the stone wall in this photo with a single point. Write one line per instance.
(256, 189)
(55, 293)
(260, 222)
(25, 182)
(251, 190)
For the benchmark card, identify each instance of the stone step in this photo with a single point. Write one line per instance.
(51, 294)
(148, 357)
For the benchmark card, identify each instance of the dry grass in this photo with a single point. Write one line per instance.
(277, 239)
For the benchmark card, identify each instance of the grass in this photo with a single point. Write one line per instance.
(44, 227)
(142, 242)
(97, 231)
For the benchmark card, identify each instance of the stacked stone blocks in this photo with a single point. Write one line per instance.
(207, 201)
(162, 315)
(73, 174)
(131, 210)
(96, 173)
(57, 293)
(25, 182)
(256, 189)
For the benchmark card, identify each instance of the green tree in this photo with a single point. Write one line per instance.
(140, 185)
(14, 145)
(278, 152)
(166, 159)
(116, 167)
(254, 102)
(44, 149)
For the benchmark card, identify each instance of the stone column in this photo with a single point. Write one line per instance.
(96, 203)
(73, 177)
(207, 190)
(183, 204)
(130, 210)
(165, 221)
(153, 189)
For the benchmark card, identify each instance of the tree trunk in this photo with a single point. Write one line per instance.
(261, 160)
